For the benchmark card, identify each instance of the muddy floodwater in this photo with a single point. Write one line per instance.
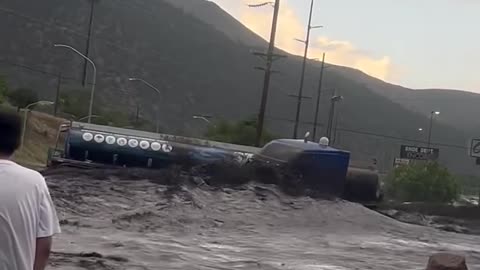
(112, 222)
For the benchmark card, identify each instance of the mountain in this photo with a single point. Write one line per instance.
(211, 14)
(199, 57)
(458, 108)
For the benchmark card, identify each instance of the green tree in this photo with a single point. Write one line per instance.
(242, 132)
(423, 182)
(75, 102)
(22, 97)
(3, 89)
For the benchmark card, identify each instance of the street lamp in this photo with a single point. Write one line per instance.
(333, 100)
(159, 94)
(40, 103)
(302, 76)
(94, 80)
(202, 117)
(85, 117)
(432, 114)
(262, 4)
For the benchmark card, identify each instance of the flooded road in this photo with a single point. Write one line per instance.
(112, 222)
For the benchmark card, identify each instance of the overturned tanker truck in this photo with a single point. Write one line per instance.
(320, 167)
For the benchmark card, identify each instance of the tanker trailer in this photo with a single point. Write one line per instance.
(96, 144)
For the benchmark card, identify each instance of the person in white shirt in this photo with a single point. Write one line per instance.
(28, 220)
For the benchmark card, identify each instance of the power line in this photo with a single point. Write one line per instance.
(369, 133)
(37, 70)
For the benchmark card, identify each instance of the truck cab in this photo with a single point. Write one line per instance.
(319, 167)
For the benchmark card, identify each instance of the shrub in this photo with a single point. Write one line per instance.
(243, 132)
(423, 182)
(22, 97)
(75, 102)
(3, 89)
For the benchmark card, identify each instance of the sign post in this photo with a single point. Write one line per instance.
(419, 153)
(475, 150)
(400, 162)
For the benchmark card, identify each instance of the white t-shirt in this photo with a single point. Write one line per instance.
(26, 213)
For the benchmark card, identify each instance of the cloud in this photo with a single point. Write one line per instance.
(346, 54)
(338, 52)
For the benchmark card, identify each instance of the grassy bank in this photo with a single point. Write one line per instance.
(40, 135)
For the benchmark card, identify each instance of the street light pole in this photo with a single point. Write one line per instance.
(431, 125)
(304, 64)
(333, 100)
(157, 128)
(420, 131)
(317, 108)
(268, 70)
(27, 108)
(94, 80)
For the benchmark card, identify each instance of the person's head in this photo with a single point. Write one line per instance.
(10, 133)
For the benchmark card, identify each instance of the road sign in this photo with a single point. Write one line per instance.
(401, 162)
(475, 148)
(419, 153)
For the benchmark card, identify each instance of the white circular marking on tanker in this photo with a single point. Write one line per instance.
(87, 136)
(99, 138)
(122, 141)
(156, 146)
(167, 148)
(144, 145)
(133, 143)
(110, 139)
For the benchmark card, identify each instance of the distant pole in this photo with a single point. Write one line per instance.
(137, 113)
(157, 122)
(430, 130)
(335, 128)
(330, 118)
(57, 94)
(89, 36)
(335, 98)
(302, 77)
(268, 70)
(317, 109)
(432, 114)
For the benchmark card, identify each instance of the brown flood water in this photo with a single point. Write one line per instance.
(112, 223)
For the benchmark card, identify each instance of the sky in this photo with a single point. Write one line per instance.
(414, 43)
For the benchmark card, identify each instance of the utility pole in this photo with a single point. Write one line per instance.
(266, 81)
(432, 114)
(335, 128)
(317, 108)
(57, 94)
(302, 77)
(137, 113)
(89, 36)
(334, 99)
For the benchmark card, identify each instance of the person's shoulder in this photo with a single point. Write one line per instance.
(28, 174)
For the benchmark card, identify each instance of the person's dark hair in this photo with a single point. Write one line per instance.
(10, 132)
